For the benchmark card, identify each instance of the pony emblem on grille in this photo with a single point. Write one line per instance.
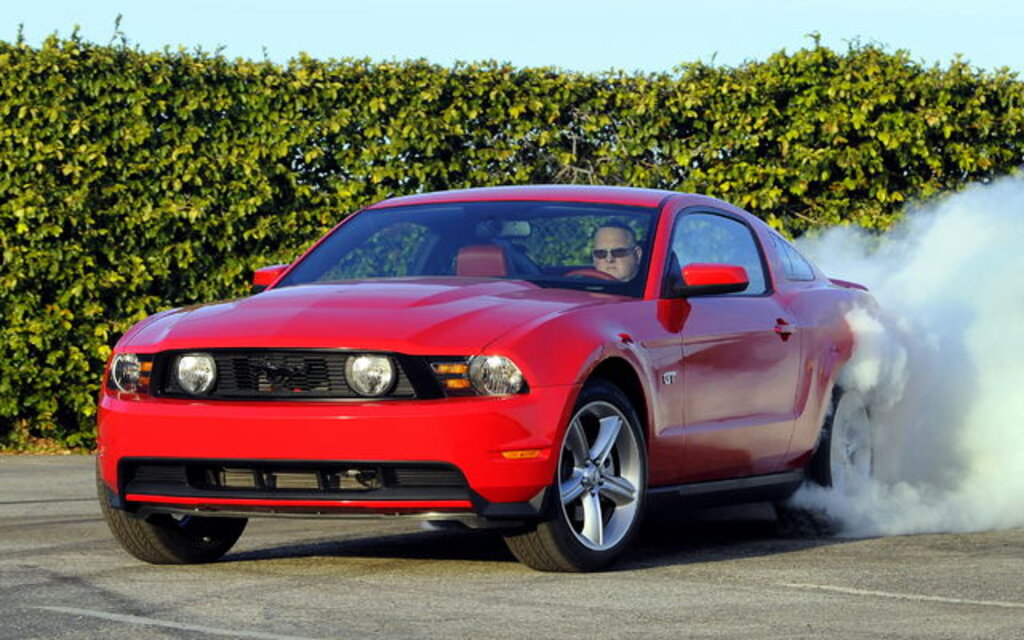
(276, 376)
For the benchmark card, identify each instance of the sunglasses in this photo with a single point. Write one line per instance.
(619, 252)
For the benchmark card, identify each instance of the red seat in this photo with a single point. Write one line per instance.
(481, 260)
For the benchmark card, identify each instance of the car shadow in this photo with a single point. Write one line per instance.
(442, 545)
(717, 534)
(665, 539)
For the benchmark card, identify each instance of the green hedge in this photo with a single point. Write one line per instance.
(134, 181)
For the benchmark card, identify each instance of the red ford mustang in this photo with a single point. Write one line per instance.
(542, 359)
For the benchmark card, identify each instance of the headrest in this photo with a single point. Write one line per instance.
(481, 260)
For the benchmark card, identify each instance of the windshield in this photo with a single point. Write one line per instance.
(596, 247)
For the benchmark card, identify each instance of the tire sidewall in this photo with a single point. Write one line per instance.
(823, 467)
(581, 557)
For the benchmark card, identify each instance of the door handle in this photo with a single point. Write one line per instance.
(784, 328)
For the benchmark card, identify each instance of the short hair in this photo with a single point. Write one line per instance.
(616, 225)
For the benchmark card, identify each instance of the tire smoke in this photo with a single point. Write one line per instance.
(941, 366)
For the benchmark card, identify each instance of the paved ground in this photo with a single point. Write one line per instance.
(727, 574)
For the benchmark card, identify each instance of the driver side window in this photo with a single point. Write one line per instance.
(706, 237)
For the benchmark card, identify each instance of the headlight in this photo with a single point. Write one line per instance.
(495, 375)
(130, 373)
(196, 372)
(370, 375)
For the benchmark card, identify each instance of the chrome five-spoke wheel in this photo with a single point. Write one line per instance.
(597, 498)
(599, 476)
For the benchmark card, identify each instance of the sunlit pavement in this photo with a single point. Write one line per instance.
(725, 574)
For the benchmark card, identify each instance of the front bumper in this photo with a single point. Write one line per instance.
(192, 444)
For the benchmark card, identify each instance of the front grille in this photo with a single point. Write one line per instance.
(289, 479)
(272, 373)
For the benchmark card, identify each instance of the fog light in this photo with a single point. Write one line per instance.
(196, 372)
(370, 375)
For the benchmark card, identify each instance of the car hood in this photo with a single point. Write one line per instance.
(416, 316)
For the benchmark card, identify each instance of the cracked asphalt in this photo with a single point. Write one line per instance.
(720, 574)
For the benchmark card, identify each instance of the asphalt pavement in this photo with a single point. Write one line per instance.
(720, 574)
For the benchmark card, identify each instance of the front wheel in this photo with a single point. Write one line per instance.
(166, 539)
(596, 501)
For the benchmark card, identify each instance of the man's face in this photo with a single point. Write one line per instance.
(609, 241)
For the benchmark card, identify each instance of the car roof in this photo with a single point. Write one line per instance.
(575, 193)
(634, 196)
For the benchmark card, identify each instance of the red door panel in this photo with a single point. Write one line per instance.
(741, 364)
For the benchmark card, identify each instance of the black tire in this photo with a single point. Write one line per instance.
(843, 460)
(166, 539)
(596, 501)
(845, 456)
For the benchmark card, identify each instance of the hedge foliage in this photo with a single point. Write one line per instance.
(133, 181)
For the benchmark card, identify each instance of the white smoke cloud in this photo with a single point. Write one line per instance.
(941, 365)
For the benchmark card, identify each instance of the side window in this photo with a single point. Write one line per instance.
(706, 237)
(795, 266)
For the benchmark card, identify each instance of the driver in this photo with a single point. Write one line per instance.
(616, 251)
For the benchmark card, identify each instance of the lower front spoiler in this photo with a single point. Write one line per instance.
(474, 513)
(456, 519)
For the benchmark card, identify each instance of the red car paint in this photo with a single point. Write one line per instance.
(727, 386)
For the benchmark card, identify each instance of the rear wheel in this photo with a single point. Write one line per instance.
(843, 461)
(845, 458)
(596, 501)
(167, 539)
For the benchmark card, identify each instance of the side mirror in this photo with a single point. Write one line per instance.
(706, 278)
(263, 278)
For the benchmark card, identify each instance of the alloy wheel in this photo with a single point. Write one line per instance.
(600, 472)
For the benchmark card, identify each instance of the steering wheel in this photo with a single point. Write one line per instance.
(590, 272)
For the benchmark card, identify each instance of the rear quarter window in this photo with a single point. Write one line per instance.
(795, 267)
